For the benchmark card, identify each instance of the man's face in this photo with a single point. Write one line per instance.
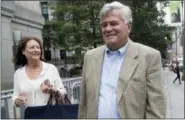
(114, 30)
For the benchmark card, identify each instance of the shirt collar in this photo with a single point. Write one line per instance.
(121, 51)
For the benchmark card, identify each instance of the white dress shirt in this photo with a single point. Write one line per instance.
(31, 88)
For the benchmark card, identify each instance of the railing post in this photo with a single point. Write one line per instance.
(22, 109)
(3, 112)
(14, 111)
(6, 108)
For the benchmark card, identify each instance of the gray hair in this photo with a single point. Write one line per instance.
(127, 16)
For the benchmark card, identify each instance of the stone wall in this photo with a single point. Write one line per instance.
(15, 16)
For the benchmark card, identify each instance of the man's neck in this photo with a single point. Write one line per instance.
(117, 48)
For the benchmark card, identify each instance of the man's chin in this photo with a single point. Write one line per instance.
(112, 46)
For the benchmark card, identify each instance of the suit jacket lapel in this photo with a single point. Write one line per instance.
(127, 68)
(98, 64)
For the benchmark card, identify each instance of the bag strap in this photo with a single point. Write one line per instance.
(50, 100)
(66, 99)
(59, 99)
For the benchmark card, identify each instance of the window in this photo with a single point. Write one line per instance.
(47, 55)
(62, 54)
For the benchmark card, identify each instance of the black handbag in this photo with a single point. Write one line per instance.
(63, 109)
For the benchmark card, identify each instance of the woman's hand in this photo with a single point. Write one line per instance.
(46, 87)
(20, 100)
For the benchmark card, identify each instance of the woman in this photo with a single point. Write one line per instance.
(35, 79)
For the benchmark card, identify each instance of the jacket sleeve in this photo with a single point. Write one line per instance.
(82, 112)
(156, 98)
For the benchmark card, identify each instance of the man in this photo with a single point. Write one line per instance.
(121, 79)
(177, 71)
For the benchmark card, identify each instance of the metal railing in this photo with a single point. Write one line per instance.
(75, 92)
(9, 111)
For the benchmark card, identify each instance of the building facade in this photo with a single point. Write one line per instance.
(25, 18)
(174, 17)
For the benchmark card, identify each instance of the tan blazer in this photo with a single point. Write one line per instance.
(140, 89)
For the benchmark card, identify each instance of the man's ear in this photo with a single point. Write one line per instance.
(129, 27)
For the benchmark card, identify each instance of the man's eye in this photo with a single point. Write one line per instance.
(114, 23)
(104, 25)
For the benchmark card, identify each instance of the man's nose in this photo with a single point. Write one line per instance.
(108, 28)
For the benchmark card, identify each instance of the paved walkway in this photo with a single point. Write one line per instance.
(175, 95)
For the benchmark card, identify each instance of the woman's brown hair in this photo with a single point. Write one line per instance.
(19, 58)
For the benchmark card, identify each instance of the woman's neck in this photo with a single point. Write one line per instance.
(34, 64)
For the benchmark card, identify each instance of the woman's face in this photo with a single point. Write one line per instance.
(32, 50)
